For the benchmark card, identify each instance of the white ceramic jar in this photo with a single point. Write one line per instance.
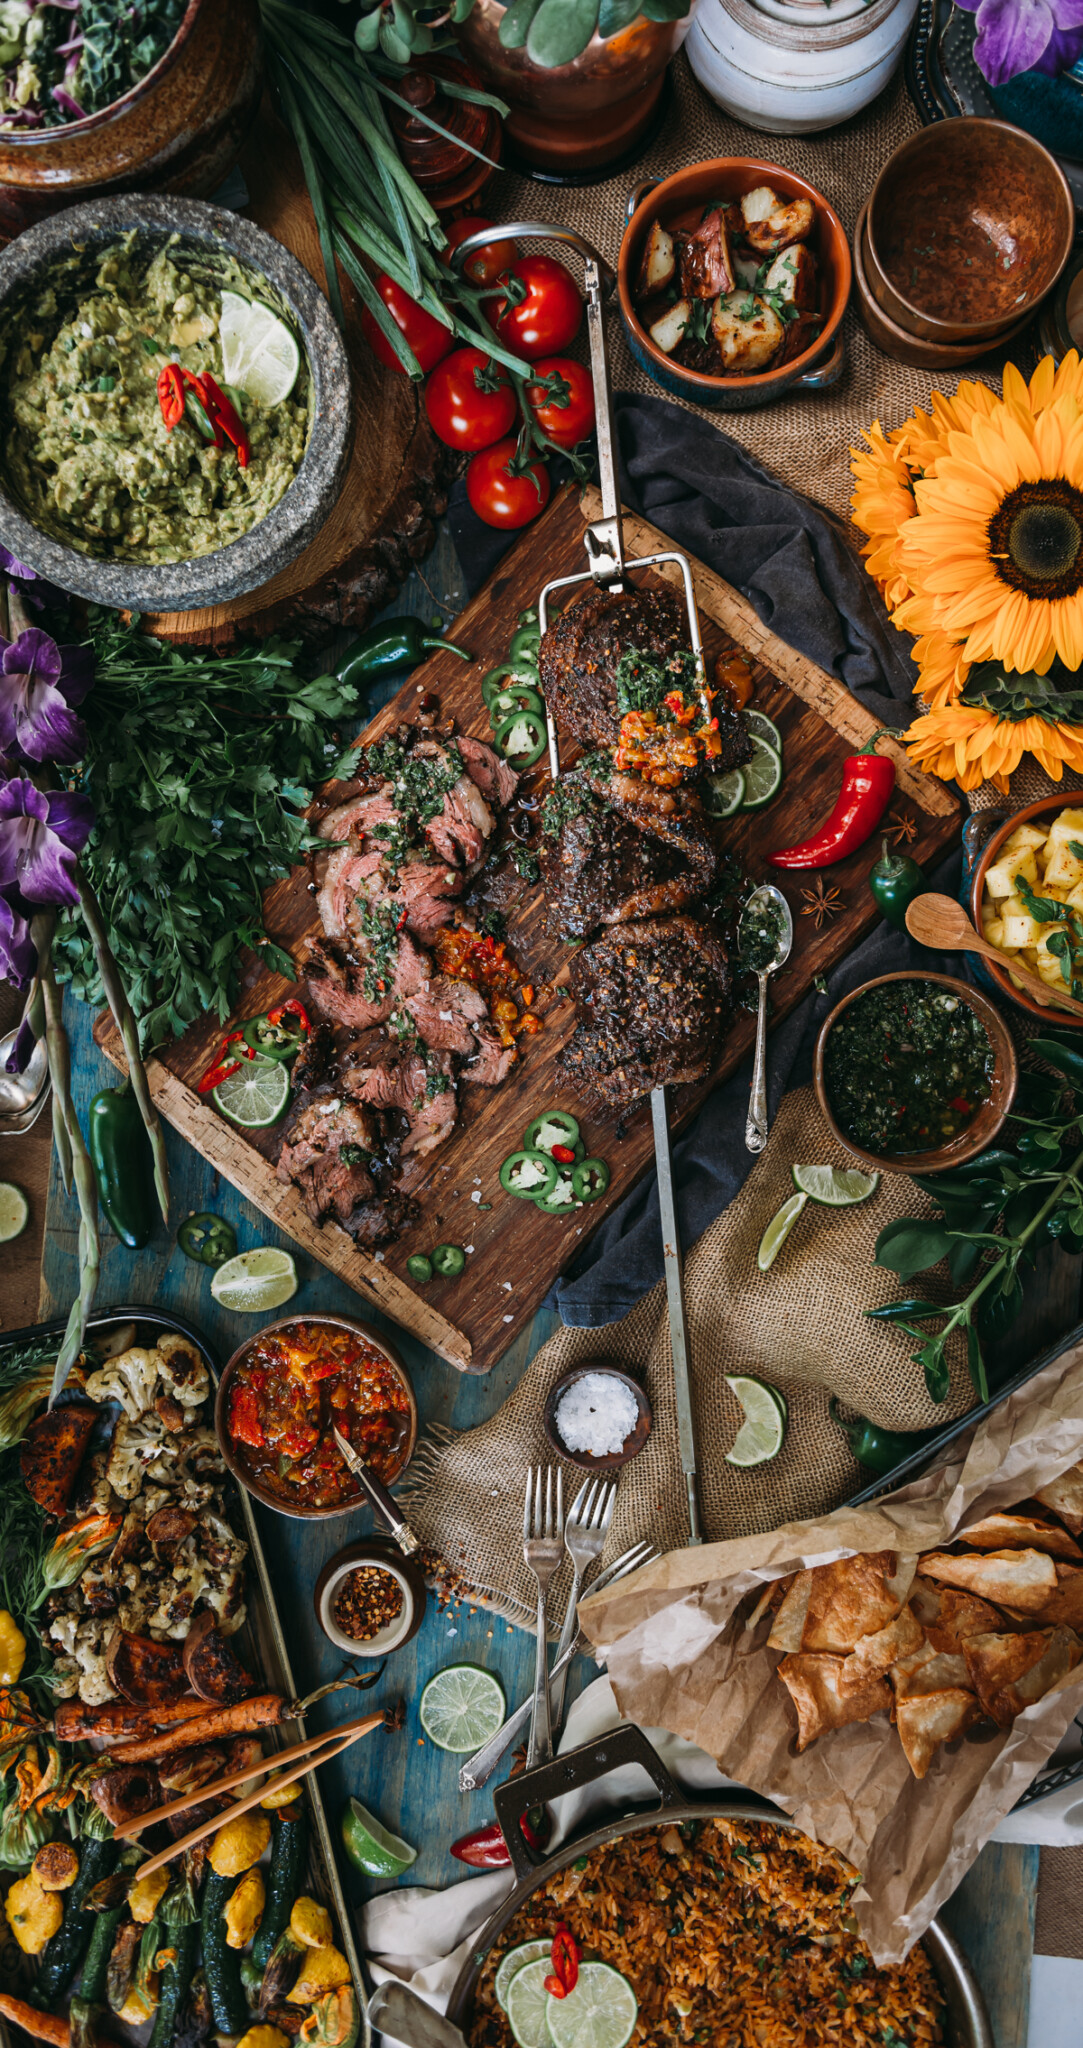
(793, 67)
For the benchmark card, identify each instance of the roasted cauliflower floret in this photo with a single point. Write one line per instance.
(130, 1379)
(137, 1444)
(182, 1371)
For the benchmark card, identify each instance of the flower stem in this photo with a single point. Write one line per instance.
(56, 1041)
(1015, 1245)
(117, 998)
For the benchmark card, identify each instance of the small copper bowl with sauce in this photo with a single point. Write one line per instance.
(991, 1115)
(371, 1383)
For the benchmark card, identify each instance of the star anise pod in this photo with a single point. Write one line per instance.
(902, 831)
(820, 903)
(395, 1717)
(518, 1761)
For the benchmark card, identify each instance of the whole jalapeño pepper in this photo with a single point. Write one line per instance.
(893, 884)
(123, 1165)
(880, 1450)
(388, 647)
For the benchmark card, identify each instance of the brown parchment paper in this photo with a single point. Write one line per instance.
(677, 1660)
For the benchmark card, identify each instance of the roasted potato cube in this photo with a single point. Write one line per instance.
(792, 277)
(33, 1916)
(1000, 880)
(1074, 897)
(244, 1910)
(799, 335)
(748, 331)
(659, 265)
(240, 1843)
(993, 929)
(323, 1969)
(1063, 869)
(669, 330)
(310, 1924)
(746, 270)
(771, 223)
(1066, 825)
(1019, 928)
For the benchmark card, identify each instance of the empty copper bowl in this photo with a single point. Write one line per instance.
(897, 341)
(970, 224)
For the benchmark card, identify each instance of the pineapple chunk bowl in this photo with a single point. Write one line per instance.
(1026, 896)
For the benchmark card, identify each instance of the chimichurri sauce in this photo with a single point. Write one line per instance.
(759, 934)
(907, 1068)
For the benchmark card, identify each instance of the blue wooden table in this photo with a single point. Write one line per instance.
(401, 1777)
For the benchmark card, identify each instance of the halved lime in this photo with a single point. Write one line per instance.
(601, 2012)
(723, 794)
(760, 1435)
(515, 1959)
(778, 1230)
(763, 728)
(837, 1187)
(259, 354)
(762, 774)
(368, 1843)
(256, 1281)
(461, 1707)
(528, 2004)
(256, 1095)
(14, 1211)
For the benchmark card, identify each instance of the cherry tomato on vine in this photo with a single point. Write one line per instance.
(542, 310)
(566, 410)
(429, 340)
(498, 494)
(470, 400)
(488, 263)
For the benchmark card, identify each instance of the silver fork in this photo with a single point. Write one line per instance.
(543, 1548)
(479, 1768)
(584, 1539)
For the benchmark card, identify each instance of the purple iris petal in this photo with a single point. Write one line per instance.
(22, 1052)
(1024, 35)
(18, 958)
(1064, 48)
(39, 684)
(40, 835)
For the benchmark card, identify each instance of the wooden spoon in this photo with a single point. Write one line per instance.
(941, 922)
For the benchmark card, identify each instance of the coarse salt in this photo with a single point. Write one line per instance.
(596, 1414)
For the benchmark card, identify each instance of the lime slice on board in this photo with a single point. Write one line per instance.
(778, 1230)
(601, 2012)
(256, 1095)
(516, 1958)
(764, 1427)
(724, 794)
(368, 1843)
(763, 774)
(14, 1211)
(461, 1707)
(761, 727)
(259, 354)
(255, 1282)
(834, 1186)
(528, 2004)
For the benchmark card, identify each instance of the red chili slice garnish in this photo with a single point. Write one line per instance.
(563, 1154)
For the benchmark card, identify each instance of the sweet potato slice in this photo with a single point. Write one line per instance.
(149, 1674)
(52, 1452)
(212, 1669)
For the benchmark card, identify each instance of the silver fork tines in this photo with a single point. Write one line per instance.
(584, 1539)
(543, 1546)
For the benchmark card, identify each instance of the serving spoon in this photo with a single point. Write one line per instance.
(940, 922)
(760, 899)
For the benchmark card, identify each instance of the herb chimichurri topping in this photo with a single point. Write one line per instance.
(573, 797)
(907, 1068)
(759, 934)
(645, 680)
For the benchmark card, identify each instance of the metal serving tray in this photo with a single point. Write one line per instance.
(261, 1637)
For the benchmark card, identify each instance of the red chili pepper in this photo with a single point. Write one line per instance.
(486, 1848)
(222, 414)
(564, 1155)
(554, 1987)
(290, 1008)
(244, 1423)
(217, 1072)
(867, 783)
(566, 1954)
(171, 394)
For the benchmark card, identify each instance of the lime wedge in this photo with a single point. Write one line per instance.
(601, 2012)
(528, 2004)
(760, 1435)
(524, 1952)
(255, 1282)
(723, 794)
(368, 1843)
(461, 1707)
(778, 1230)
(762, 774)
(836, 1187)
(259, 354)
(761, 727)
(14, 1211)
(256, 1095)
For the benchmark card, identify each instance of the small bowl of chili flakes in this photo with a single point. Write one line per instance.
(369, 1599)
(284, 1392)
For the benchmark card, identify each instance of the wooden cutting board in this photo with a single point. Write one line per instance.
(515, 1253)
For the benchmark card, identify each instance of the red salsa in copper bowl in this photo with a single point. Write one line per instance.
(283, 1394)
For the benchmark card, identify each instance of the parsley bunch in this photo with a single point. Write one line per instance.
(199, 767)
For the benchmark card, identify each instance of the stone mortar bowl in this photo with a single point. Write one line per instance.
(288, 528)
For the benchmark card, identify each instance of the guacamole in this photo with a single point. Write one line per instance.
(87, 449)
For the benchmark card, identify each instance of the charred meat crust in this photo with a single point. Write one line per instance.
(654, 1003)
(578, 657)
(632, 860)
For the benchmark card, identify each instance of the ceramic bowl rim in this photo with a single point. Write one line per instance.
(945, 355)
(370, 1335)
(241, 565)
(963, 1147)
(26, 138)
(654, 202)
(339, 1567)
(979, 330)
(609, 1461)
(1057, 800)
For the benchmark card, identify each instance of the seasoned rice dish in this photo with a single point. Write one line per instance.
(733, 1934)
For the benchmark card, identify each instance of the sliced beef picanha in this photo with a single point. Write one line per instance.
(420, 1085)
(492, 1062)
(626, 859)
(357, 883)
(327, 1153)
(461, 830)
(578, 657)
(496, 780)
(313, 1064)
(340, 980)
(446, 1014)
(653, 1003)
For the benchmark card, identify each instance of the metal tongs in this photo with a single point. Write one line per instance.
(604, 541)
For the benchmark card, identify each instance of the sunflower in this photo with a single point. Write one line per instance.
(883, 502)
(972, 744)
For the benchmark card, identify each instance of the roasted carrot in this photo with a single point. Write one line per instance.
(75, 1722)
(264, 1710)
(44, 2026)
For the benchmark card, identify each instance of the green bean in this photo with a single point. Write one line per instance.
(117, 998)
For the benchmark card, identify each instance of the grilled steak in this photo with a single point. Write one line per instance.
(313, 1064)
(578, 657)
(631, 852)
(327, 1153)
(653, 1003)
(398, 1077)
(342, 979)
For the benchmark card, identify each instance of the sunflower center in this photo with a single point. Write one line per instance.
(1036, 539)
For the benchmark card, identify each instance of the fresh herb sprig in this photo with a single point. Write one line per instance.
(995, 1214)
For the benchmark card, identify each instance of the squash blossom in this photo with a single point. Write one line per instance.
(12, 1648)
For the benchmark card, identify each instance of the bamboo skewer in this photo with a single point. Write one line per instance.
(324, 1749)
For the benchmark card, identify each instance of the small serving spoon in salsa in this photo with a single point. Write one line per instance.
(765, 939)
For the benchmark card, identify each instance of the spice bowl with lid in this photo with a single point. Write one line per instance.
(597, 1403)
(369, 1599)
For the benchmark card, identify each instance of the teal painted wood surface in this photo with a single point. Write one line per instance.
(992, 1917)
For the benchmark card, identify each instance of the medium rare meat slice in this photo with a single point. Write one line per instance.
(419, 1084)
(496, 780)
(578, 656)
(618, 859)
(653, 1002)
(376, 1223)
(341, 980)
(492, 1062)
(359, 814)
(348, 874)
(447, 1014)
(327, 1153)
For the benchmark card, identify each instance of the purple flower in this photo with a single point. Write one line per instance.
(40, 835)
(18, 956)
(1025, 35)
(39, 684)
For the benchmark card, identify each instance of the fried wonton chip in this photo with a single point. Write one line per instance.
(929, 1670)
(771, 1597)
(1010, 1672)
(930, 1719)
(874, 1655)
(1020, 1532)
(850, 1599)
(1064, 1608)
(1023, 1579)
(815, 1684)
(789, 1622)
(948, 1616)
(1065, 1496)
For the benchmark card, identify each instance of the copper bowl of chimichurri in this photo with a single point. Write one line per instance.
(915, 1072)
